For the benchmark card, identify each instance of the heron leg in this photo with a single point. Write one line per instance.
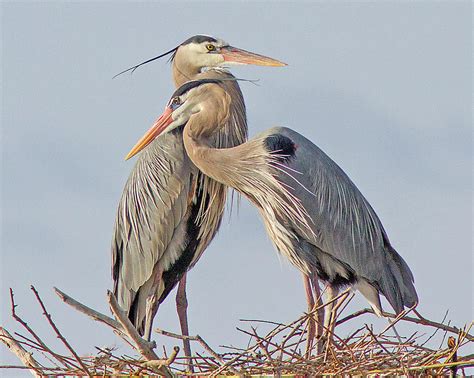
(152, 303)
(318, 306)
(315, 325)
(311, 325)
(150, 312)
(182, 309)
(329, 313)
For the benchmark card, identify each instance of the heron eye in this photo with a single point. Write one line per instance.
(175, 102)
(210, 47)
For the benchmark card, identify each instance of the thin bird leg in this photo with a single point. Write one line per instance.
(151, 309)
(320, 310)
(329, 313)
(397, 335)
(152, 303)
(182, 309)
(311, 325)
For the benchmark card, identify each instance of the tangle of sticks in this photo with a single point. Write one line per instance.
(273, 348)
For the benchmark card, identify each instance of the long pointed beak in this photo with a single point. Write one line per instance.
(158, 127)
(234, 55)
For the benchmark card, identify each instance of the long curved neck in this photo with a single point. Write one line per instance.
(249, 168)
(183, 70)
(230, 166)
(252, 170)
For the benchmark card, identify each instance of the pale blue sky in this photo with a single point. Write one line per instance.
(384, 88)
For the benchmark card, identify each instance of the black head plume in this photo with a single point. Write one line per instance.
(194, 39)
(132, 69)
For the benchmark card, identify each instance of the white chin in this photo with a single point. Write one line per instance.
(225, 64)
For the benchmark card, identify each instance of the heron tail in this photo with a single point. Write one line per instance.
(398, 284)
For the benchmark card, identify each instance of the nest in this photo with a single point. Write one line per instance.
(273, 348)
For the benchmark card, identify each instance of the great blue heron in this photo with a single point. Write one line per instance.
(169, 212)
(313, 212)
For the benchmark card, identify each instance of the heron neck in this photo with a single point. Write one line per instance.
(250, 169)
(230, 166)
(183, 70)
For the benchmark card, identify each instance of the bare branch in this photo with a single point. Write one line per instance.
(362, 352)
(20, 352)
(93, 314)
(200, 340)
(421, 320)
(144, 347)
(25, 325)
(157, 364)
(59, 335)
(88, 311)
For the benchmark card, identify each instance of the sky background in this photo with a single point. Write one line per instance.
(383, 88)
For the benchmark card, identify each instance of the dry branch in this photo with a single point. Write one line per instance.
(95, 315)
(273, 348)
(197, 338)
(144, 347)
(24, 356)
(420, 320)
(59, 335)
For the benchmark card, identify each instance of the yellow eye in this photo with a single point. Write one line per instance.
(210, 47)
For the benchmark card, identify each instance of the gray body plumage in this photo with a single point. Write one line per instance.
(313, 212)
(348, 244)
(168, 213)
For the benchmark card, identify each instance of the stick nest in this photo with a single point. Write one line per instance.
(273, 348)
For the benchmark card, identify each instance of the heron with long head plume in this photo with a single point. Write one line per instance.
(169, 212)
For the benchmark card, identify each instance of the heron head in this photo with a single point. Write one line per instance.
(186, 101)
(202, 51)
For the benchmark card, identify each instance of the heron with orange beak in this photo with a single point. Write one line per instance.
(314, 214)
(169, 211)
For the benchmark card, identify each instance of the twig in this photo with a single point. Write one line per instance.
(290, 335)
(144, 347)
(426, 367)
(452, 345)
(261, 321)
(159, 363)
(25, 325)
(200, 340)
(88, 311)
(207, 361)
(436, 330)
(422, 321)
(20, 352)
(259, 340)
(358, 354)
(93, 314)
(59, 335)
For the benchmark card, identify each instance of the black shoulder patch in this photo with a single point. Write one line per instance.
(199, 39)
(192, 84)
(280, 145)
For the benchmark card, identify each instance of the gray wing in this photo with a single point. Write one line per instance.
(345, 226)
(169, 212)
(150, 226)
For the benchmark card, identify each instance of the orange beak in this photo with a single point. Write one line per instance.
(235, 55)
(158, 127)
